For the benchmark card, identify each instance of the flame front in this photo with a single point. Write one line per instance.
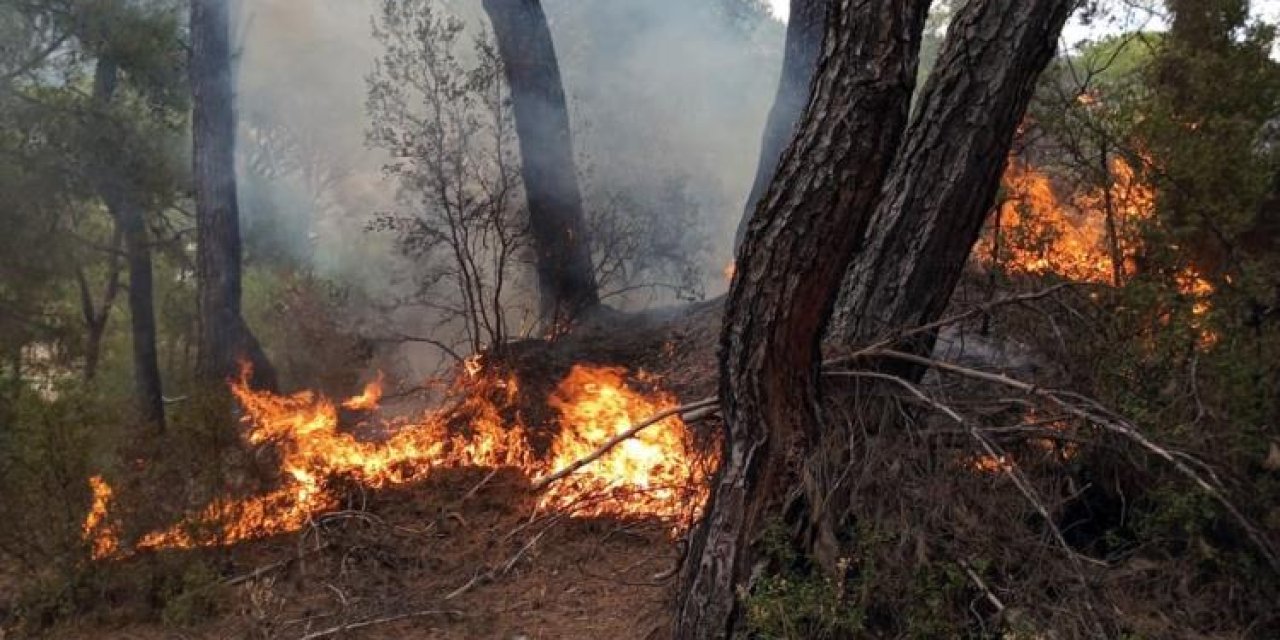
(1095, 236)
(656, 474)
(98, 530)
(1091, 238)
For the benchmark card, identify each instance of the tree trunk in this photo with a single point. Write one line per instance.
(805, 29)
(148, 389)
(224, 337)
(790, 265)
(131, 224)
(566, 278)
(946, 177)
(95, 317)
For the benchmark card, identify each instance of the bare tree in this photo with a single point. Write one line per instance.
(224, 336)
(805, 28)
(449, 132)
(566, 280)
(846, 196)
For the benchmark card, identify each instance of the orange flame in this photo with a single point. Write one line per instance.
(102, 535)
(368, 400)
(1083, 238)
(655, 474)
(1042, 234)
(658, 468)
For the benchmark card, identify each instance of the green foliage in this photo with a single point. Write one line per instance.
(1213, 88)
(875, 595)
(796, 601)
(47, 452)
(189, 592)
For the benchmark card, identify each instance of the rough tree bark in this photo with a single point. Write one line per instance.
(566, 279)
(805, 29)
(224, 337)
(946, 177)
(131, 223)
(790, 265)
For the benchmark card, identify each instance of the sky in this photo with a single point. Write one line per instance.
(1268, 10)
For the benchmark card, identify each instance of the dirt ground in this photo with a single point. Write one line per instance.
(465, 553)
(479, 567)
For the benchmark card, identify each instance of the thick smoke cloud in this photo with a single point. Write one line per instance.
(668, 100)
(662, 92)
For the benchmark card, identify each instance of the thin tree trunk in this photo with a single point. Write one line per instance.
(148, 388)
(947, 175)
(1109, 208)
(790, 265)
(566, 279)
(131, 224)
(96, 317)
(805, 29)
(224, 338)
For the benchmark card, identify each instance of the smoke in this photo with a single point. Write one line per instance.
(660, 91)
(671, 92)
(668, 101)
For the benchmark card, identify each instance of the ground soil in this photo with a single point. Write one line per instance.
(465, 553)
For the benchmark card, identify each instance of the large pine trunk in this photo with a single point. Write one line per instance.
(566, 279)
(945, 179)
(130, 220)
(791, 262)
(805, 29)
(899, 221)
(224, 338)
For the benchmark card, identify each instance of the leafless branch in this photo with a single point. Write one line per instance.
(689, 409)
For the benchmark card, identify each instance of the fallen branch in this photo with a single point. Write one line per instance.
(980, 310)
(498, 572)
(376, 621)
(992, 450)
(1095, 413)
(977, 580)
(695, 410)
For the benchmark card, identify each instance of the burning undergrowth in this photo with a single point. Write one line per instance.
(324, 448)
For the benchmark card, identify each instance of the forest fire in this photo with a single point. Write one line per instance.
(658, 468)
(658, 473)
(97, 529)
(1094, 236)
(1080, 239)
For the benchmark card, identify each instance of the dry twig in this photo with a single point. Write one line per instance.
(699, 409)
(324, 633)
(1095, 413)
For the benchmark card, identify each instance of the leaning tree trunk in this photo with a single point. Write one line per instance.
(131, 223)
(566, 278)
(805, 29)
(790, 265)
(946, 177)
(224, 338)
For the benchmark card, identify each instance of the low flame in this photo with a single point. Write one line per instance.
(1039, 233)
(369, 399)
(1092, 237)
(659, 466)
(656, 474)
(101, 534)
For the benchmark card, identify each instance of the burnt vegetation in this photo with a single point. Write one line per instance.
(662, 319)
